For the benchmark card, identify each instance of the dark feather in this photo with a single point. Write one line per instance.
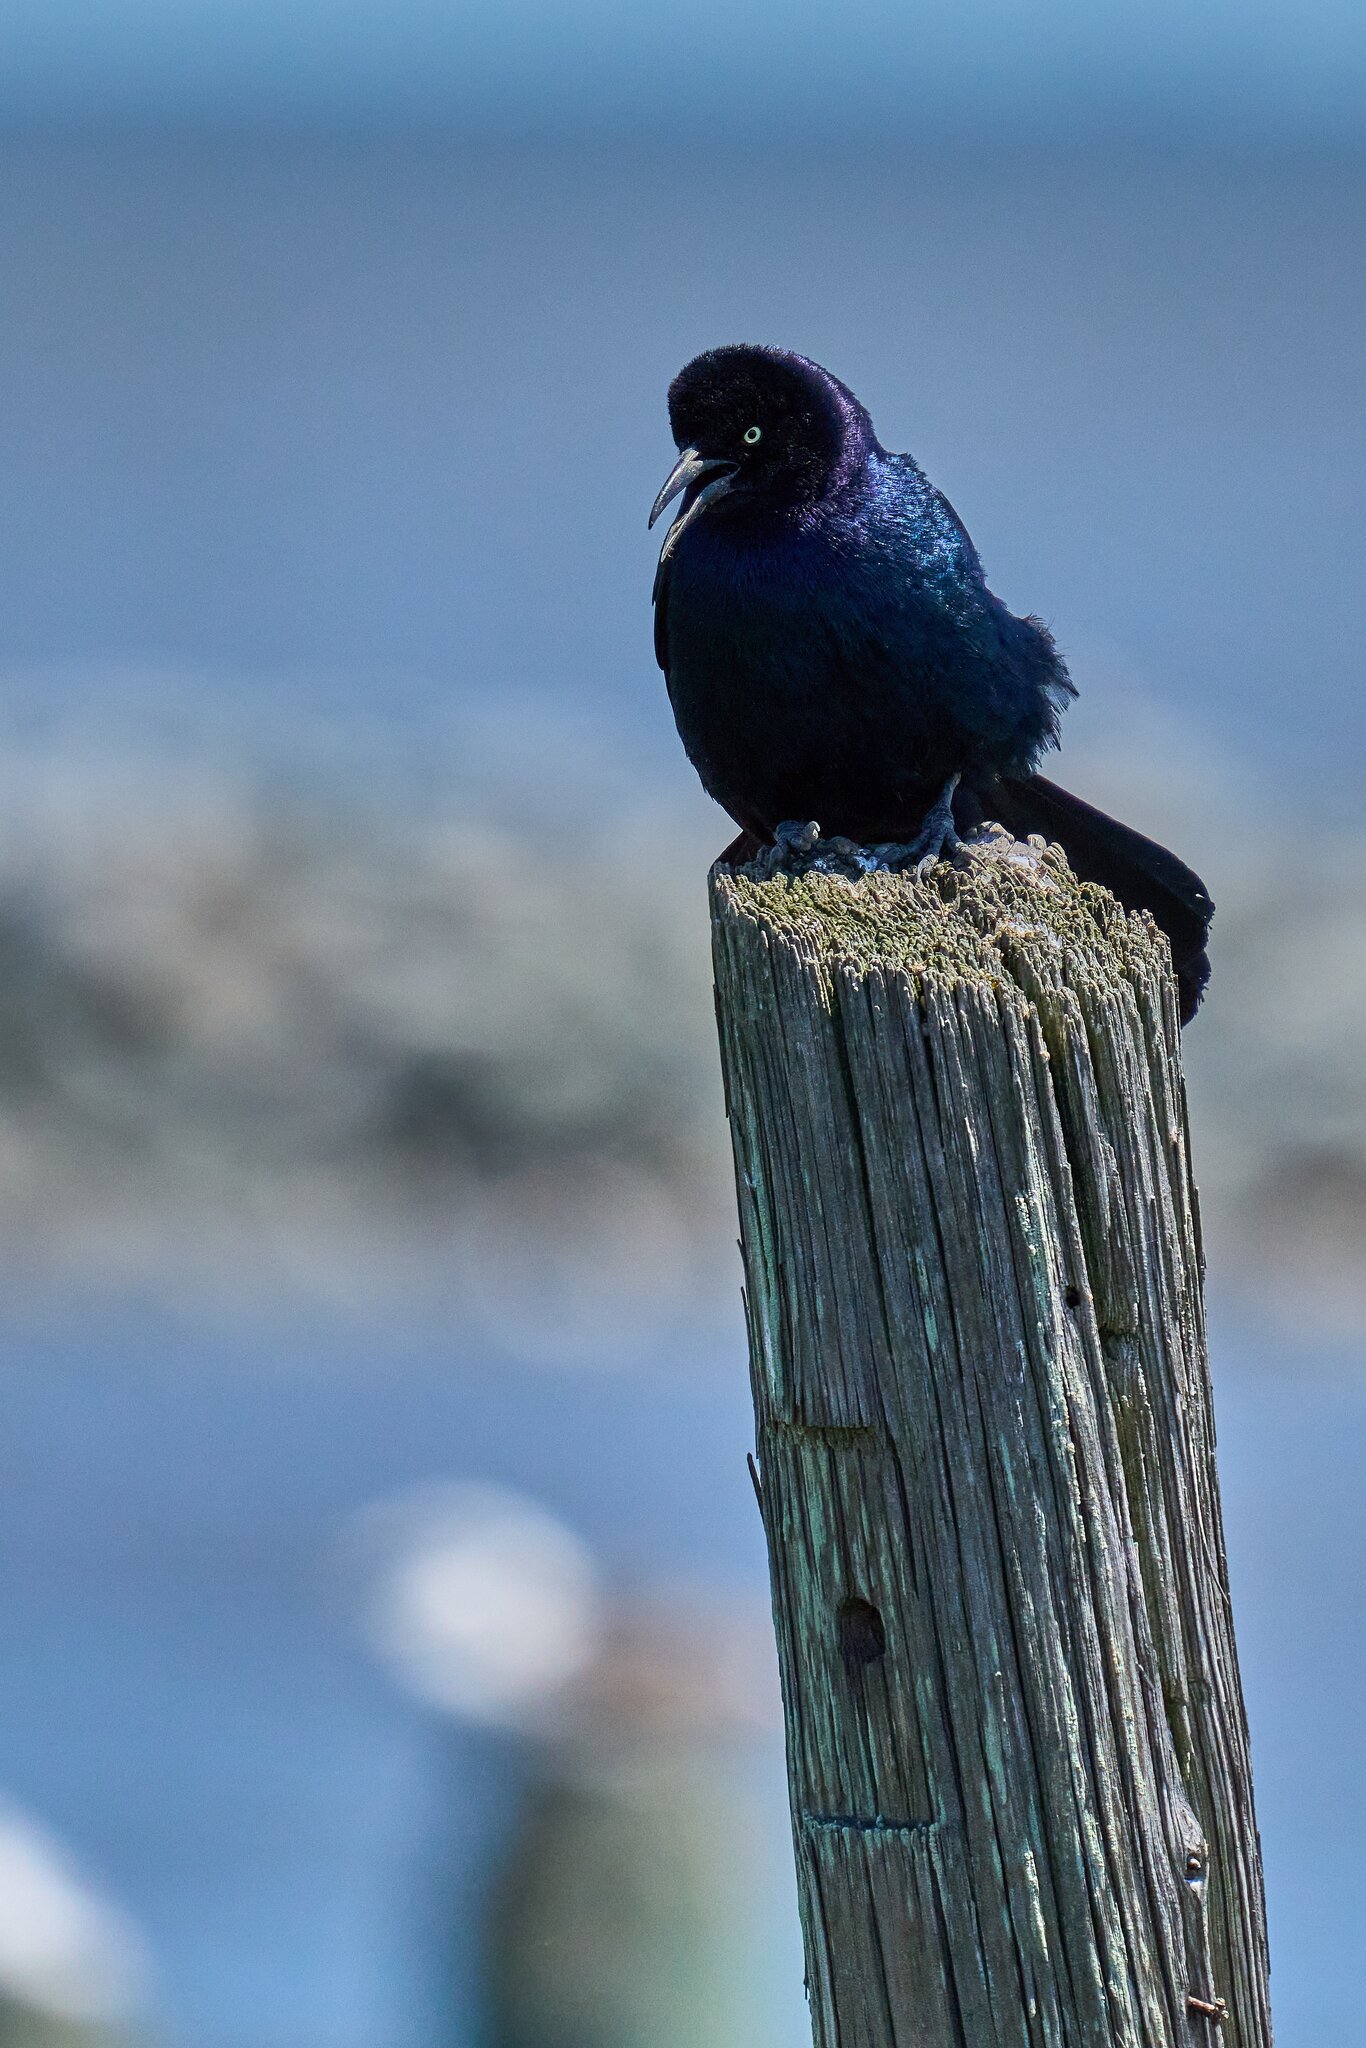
(833, 652)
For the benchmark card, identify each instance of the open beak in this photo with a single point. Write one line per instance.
(689, 471)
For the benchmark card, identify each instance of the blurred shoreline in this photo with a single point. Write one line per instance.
(283, 1016)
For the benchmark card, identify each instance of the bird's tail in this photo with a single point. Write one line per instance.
(1142, 874)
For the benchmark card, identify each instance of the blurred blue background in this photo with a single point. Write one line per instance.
(359, 1129)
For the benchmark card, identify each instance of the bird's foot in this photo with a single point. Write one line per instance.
(799, 849)
(936, 840)
(794, 842)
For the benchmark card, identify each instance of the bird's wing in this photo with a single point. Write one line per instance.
(949, 570)
(937, 538)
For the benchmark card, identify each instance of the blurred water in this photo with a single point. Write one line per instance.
(1293, 1467)
(600, 66)
(390, 412)
(184, 1698)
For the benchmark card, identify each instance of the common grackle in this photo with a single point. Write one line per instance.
(833, 653)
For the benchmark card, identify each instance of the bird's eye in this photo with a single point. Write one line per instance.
(752, 434)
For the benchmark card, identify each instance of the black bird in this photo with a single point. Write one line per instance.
(833, 653)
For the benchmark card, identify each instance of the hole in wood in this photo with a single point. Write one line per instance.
(1073, 1297)
(862, 1637)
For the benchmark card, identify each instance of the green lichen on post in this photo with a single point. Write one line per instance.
(1021, 1795)
(955, 924)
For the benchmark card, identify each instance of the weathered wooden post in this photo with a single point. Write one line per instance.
(1018, 1762)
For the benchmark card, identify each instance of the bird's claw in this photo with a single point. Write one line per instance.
(794, 841)
(945, 845)
(936, 840)
(798, 847)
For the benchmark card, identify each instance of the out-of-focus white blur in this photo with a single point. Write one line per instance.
(481, 1602)
(631, 1899)
(66, 1953)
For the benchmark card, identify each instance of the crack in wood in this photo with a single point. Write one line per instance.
(867, 1824)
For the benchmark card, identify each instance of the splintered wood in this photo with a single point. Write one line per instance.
(1017, 1751)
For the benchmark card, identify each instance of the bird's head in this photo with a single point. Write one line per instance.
(759, 426)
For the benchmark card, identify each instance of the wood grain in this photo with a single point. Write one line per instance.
(1021, 1794)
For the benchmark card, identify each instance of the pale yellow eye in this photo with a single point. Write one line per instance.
(752, 434)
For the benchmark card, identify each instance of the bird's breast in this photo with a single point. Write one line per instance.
(793, 694)
(766, 608)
